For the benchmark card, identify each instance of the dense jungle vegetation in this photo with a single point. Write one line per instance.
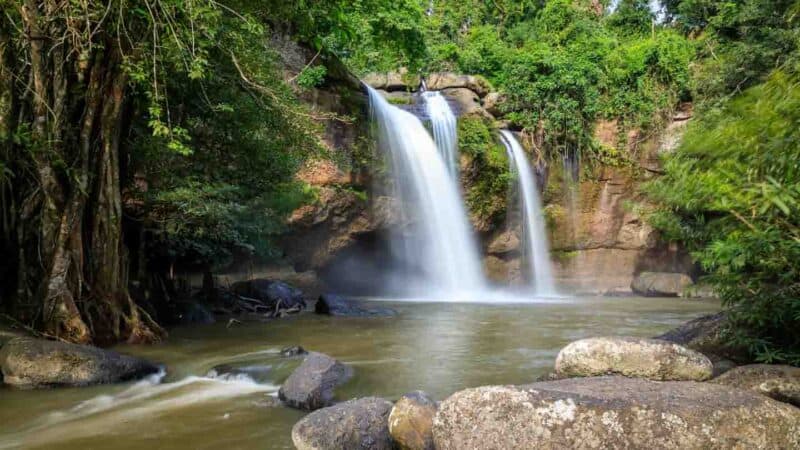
(138, 134)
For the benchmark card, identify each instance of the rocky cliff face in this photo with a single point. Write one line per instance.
(599, 240)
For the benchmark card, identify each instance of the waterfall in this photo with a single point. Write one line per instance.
(536, 253)
(442, 247)
(444, 124)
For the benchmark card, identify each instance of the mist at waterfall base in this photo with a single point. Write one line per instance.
(432, 253)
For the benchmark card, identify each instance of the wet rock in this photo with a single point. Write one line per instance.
(355, 424)
(37, 363)
(614, 412)
(293, 351)
(191, 313)
(633, 357)
(661, 284)
(274, 294)
(503, 243)
(448, 80)
(311, 386)
(776, 381)
(411, 421)
(337, 305)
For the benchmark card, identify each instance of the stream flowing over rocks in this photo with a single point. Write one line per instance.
(633, 357)
(614, 412)
(37, 363)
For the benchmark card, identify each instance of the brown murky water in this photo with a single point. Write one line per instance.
(439, 348)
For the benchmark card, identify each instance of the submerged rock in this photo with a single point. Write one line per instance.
(633, 357)
(274, 294)
(311, 386)
(411, 421)
(293, 351)
(776, 381)
(614, 412)
(355, 424)
(337, 305)
(37, 363)
(661, 284)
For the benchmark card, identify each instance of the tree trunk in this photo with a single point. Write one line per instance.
(71, 241)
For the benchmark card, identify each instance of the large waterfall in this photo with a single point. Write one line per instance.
(443, 123)
(536, 253)
(442, 247)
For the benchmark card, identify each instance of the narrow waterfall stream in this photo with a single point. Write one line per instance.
(442, 246)
(536, 253)
(443, 123)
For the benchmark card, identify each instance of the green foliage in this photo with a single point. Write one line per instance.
(488, 173)
(740, 42)
(732, 193)
(311, 77)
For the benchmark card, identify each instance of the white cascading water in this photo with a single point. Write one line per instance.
(443, 123)
(443, 247)
(535, 236)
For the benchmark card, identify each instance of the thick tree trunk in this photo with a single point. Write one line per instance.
(72, 246)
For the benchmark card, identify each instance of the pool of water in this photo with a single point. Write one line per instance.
(436, 347)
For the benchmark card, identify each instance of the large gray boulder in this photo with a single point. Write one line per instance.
(465, 103)
(411, 421)
(661, 284)
(30, 363)
(393, 81)
(352, 425)
(632, 357)
(776, 381)
(312, 385)
(614, 412)
(448, 80)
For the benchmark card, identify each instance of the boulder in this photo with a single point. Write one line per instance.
(355, 424)
(504, 243)
(614, 412)
(311, 386)
(776, 381)
(632, 357)
(448, 80)
(274, 294)
(337, 305)
(492, 103)
(465, 103)
(661, 284)
(36, 363)
(411, 421)
(704, 335)
(393, 81)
